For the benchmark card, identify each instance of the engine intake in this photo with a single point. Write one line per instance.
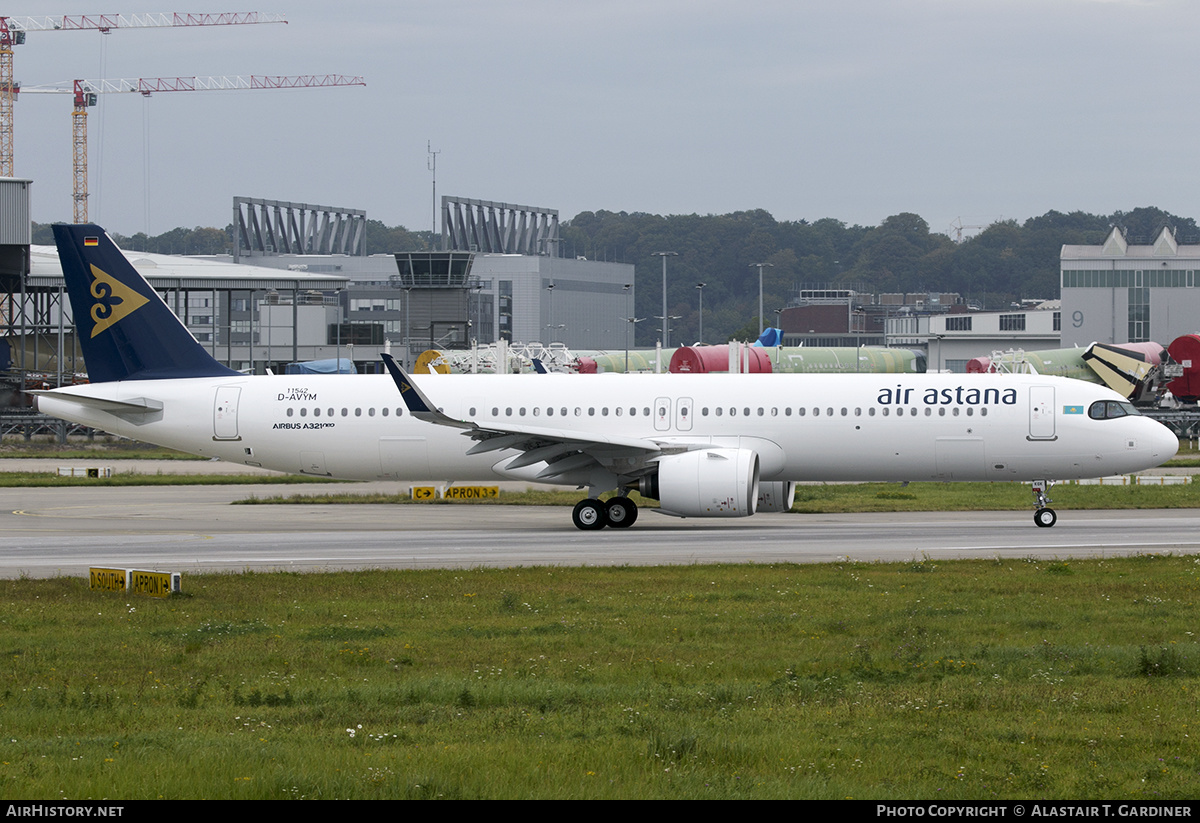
(776, 496)
(708, 483)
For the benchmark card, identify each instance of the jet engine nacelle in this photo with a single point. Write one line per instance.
(776, 496)
(708, 483)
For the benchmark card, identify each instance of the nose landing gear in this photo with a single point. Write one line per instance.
(1044, 517)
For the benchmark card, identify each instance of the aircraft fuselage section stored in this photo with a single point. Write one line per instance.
(802, 427)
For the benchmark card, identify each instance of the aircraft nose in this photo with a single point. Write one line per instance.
(1163, 443)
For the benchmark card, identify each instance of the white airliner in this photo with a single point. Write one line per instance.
(713, 445)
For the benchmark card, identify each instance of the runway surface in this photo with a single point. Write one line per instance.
(49, 532)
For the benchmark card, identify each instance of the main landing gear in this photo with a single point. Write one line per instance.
(1045, 516)
(594, 514)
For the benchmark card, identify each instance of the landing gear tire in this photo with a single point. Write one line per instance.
(1045, 518)
(622, 512)
(590, 515)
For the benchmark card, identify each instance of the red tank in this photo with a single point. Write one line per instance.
(1186, 352)
(979, 365)
(704, 359)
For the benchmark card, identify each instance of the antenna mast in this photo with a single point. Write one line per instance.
(431, 164)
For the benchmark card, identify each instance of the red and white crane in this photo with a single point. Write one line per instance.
(85, 92)
(13, 30)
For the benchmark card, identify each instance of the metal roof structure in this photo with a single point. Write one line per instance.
(1117, 247)
(170, 271)
(506, 228)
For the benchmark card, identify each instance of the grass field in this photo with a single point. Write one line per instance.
(47, 479)
(832, 499)
(923, 680)
(954, 680)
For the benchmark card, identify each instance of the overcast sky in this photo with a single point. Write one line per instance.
(852, 109)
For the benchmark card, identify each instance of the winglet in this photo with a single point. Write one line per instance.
(420, 406)
(539, 366)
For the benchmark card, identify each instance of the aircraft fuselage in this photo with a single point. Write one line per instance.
(802, 427)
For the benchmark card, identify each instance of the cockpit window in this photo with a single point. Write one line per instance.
(1111, 409)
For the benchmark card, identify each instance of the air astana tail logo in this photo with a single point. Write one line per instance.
(114, 301)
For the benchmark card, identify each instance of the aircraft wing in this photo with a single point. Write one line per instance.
(572, 454)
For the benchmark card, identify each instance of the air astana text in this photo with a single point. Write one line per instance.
(957, 396)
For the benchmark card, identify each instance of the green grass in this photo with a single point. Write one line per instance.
(843, 498)
(107, 448)
(883, 497)
(534, 497)
(38, 479)
(949, 680)
(115, 453)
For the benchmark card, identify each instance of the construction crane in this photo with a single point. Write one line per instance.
(13, 29)
(85, 94)
(958, 228)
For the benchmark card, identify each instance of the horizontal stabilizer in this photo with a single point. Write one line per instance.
(128, 406)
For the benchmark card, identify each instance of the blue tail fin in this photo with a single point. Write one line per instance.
(125, 329)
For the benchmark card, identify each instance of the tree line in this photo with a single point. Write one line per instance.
(1006, 262)
(201, 240)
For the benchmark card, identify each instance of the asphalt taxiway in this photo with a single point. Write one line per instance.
(49, 532)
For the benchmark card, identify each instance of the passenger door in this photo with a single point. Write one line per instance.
(1041, 413)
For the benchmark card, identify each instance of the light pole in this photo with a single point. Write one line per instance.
(407, 334)
(700, 333)
(666, 329)
(628, 289)
(666, 323)
(760, 289)
(629, 321)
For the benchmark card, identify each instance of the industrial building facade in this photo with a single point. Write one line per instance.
(1120, 292)
(497, 277)
(953, 340)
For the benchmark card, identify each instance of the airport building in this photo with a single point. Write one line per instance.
(300, 287)
(837, 316)
(1121, 292)
(497, 276)
(954, 339)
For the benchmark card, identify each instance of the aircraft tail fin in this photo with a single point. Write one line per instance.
(125, 329)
